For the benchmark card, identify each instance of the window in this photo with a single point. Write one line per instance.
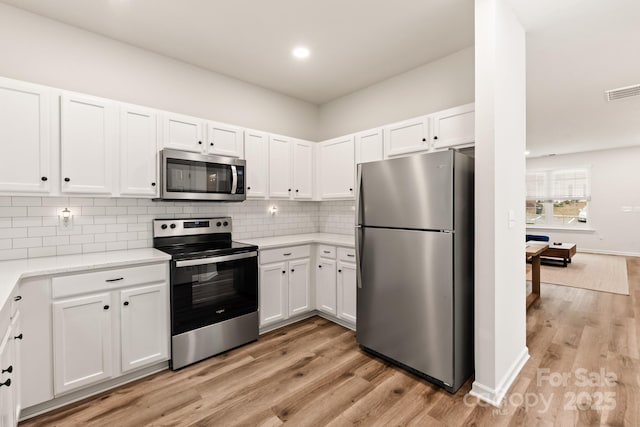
(558, 197)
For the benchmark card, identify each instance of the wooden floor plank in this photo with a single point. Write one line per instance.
(313, 373)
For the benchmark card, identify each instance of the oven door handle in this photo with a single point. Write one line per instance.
(234, 183)
(215, 259)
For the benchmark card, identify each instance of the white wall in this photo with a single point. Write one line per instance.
(44, 51)
(615, 184)
(438, 85)
(500, 328)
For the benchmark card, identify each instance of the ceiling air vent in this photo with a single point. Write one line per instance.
(622, 92)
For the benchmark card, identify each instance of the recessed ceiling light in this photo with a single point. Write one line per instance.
(300, 52)
(526, 153)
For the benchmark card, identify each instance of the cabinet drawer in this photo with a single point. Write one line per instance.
(107, 279)
(284, 254)
(347, 254)
(326, 251)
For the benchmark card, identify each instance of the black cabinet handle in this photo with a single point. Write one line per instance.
(18, 337)
(248, 188)
(435, 137)
(424, 139)
(292, 270)
(200, 142)
(297, 191)
(9, 369)
(284, 272)
(319, 266)
(351, 189)
(289, 190)
(18, 298)
(106, 307)
(44, 178)
(7, 383)
(153, 184)
(211, 144)
(67, 179)
(126, 303)
(114, 280)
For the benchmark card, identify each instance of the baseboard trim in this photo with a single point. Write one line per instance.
(607, 252)
(494, 396)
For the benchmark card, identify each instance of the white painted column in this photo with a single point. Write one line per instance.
(500, 291)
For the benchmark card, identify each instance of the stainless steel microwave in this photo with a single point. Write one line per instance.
(193, 176)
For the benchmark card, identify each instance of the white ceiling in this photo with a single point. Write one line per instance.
(353, 43)
(576, 49)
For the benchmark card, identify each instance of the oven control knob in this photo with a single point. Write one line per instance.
(226, 223)
(163, 226)
(172, 226)
(218, 224)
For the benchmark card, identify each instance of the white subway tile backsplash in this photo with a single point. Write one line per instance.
(29, 242)
(30, 226)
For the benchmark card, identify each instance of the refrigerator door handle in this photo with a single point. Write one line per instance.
(358, 256)
(358, 189)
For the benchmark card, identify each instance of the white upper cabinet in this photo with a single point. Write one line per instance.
(279, 166)
(88, 140)
(302, 173)
(24, 137)
(224, 140)
(337, 166)
(455, 126)
(369, 146)
(183, 132)
(138, 151)
(256, 154)
(407, 136)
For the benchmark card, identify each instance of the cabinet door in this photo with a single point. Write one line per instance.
(299, 282)
(256, 153)
(407, 136)
(182, 133)
(455, 126)
(82, 346)
(279, 166)
(274, 279)
(347, 291)
(144, 326)
(337, 166)
(7, 413)
(302, 169)
(88, 143)
(224, 140)
(17, 336)
(138, 151)
(24, 134)
(326, 286)
(369, 147)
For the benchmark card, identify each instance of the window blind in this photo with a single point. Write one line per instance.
(559, 184)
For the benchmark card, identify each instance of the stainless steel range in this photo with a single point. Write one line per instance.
(214, 287)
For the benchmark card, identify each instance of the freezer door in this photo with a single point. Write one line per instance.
(409, 192)
(405, 298)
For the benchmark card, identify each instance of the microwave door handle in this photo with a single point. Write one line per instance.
(234, 182)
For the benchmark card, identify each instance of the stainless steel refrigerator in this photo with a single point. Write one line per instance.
(414, 253)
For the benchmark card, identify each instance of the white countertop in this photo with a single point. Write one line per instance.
(302, 239)
(13, 271)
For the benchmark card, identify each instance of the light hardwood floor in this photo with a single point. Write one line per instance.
(313, 374)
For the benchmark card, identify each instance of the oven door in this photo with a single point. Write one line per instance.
(205, 291)
(193, 176)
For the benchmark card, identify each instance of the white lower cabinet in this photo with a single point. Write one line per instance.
(7, 381)
(82, 344)
(143, 332)
(326, 286)
(336, 282)
(108, 323)
(284, 285)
